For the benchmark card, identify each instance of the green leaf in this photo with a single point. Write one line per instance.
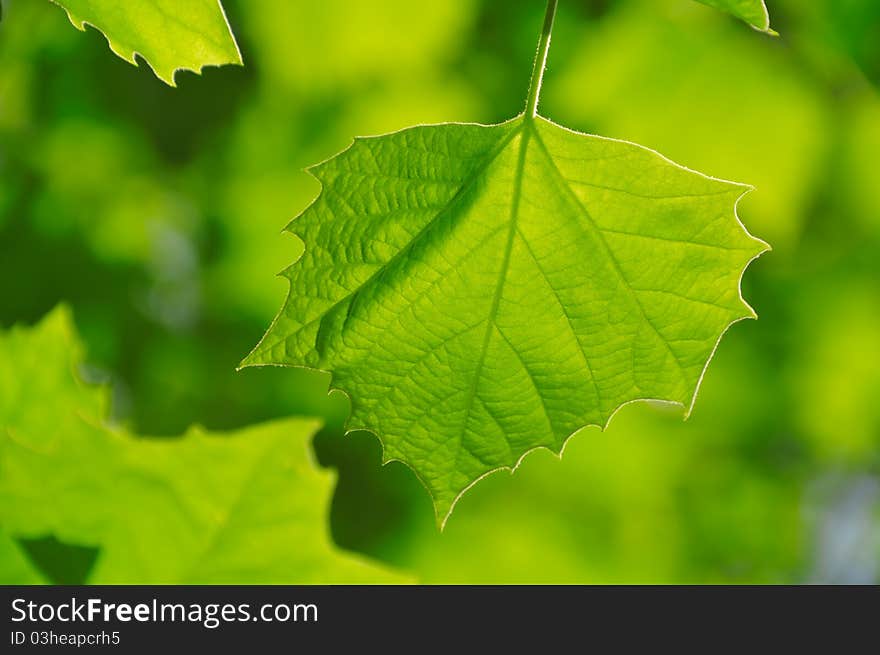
(168, 34)
(245, 507)
(482, 291)
(754, 12)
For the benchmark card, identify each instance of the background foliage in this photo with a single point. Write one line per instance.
(156, 214)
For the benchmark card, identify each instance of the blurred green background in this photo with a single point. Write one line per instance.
(157, 214)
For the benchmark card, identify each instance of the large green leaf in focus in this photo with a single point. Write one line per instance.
(481, 291)
(245, 507)
(754, 12)
(169, 34)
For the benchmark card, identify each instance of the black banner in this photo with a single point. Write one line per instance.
(130, 619)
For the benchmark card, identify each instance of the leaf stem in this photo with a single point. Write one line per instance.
(540, 61)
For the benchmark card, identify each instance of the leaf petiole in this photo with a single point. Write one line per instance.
(540, 61)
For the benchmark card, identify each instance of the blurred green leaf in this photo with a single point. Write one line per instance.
(249, 506)
(170, 35)
(483, 291)
(753, 12)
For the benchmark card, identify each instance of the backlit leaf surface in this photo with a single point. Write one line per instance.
(481, 291)
(169, 34)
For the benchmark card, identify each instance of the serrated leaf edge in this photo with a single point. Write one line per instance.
(131, 58)
(764, 247)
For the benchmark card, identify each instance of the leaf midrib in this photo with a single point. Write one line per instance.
(525, 135)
